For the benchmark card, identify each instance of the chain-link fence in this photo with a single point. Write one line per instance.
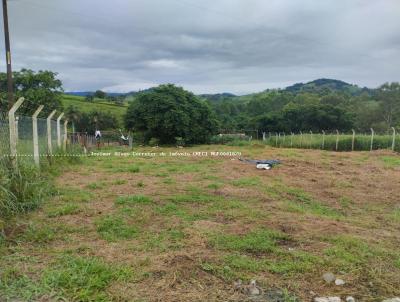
(36, 138)
(4, 136)
(335, 141)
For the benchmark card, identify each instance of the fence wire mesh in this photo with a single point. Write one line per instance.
(24, 134)
(333, 141)
(42, 137)
(4, 136)
(54, 135)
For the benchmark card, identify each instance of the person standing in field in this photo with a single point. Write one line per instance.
(97, 136)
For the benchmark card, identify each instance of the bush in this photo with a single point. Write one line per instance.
(138, 138)
(154, 142)
(231, 140)
(180, 141)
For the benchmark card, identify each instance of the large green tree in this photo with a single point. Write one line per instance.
(38, 88)
(389, 98)
(100, 94)
(168, 112)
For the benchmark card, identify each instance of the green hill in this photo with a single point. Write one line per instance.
(97, 105)
(326, 86)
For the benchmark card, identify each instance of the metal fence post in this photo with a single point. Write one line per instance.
(311, 138)
(65, 135)
(276, 139)
(353, 139)
(372, 139)
(394, 138)
(59, 130)
(263, 136)
(13, 129)
(337, 139)
(323, 140)
(35, 135)
(49, 146)
(291, 139)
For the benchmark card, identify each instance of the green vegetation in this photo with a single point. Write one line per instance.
(133, 199)
(253, 242)
(68, 209)
(83, 279)
(300, 201)
(100, 105)
(391, 161)
(246, 182)
(319, 105)
(348, 252)
(22, 189)
(170, 115)
(207, 227)
(362, 142)
(72, 277)
(91, 121)
(38, 88)
(114, 228)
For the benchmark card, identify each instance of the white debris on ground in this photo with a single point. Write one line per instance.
(329, 277)
(339, 282)
(348, 299)
(327, 299)
(252, 289)
(263, 166)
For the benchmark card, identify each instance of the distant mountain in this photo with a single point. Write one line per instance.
(86, 93)
(80, 93)
(324, 86)
(319, 86)
(212, 97)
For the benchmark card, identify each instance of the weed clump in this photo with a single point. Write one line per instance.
(22, 188)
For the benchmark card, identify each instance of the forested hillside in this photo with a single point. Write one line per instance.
(318, 105)
(322, 104)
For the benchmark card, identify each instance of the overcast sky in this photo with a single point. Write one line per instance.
(206, 46)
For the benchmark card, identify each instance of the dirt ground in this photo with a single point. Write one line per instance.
(188, 227)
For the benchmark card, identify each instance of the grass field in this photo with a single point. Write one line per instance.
(100, 105)
(185, 228)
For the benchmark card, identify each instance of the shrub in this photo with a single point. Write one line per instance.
(154, 142)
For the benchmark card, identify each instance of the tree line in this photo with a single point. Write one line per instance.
(169, 114)
(281, 110)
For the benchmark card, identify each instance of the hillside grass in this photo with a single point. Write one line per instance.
(97, 104)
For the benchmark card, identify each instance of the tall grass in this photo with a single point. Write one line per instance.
(22, 188)
(333, 143)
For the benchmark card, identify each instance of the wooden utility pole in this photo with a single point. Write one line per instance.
(8, 56)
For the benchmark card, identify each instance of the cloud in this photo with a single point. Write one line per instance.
(208, 46)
